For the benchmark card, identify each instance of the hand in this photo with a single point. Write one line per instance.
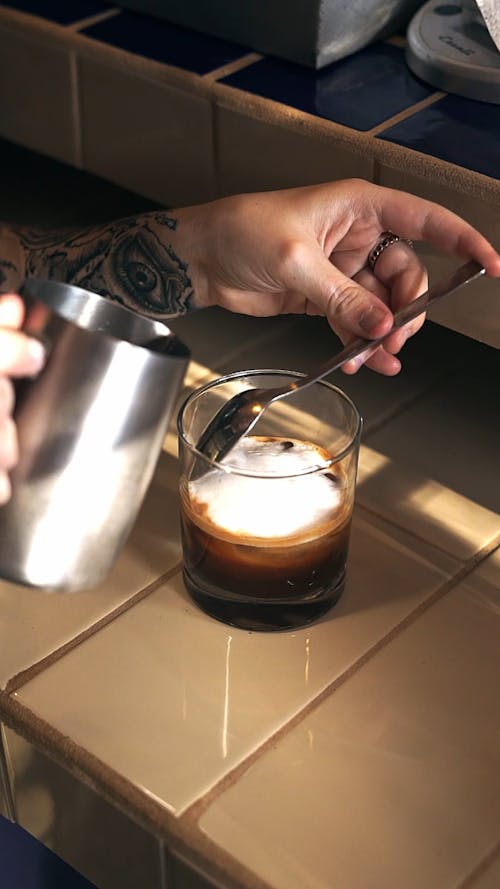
(19, 356)
(305, 250)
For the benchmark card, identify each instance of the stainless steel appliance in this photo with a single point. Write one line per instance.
(90, 427)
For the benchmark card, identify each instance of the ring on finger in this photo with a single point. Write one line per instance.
(386, 240)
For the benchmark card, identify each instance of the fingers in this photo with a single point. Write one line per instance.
(404, 275)
(347, 305)
(400, 277)
(19, 356)
(11, 310)
(422, 220)
(9, 449)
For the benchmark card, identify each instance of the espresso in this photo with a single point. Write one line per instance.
(268, 549)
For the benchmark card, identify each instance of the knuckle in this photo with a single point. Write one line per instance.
(291, 255)
(343, 299)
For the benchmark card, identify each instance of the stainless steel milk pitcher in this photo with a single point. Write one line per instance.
(90, 427)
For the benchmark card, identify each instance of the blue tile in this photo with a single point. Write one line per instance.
(164, 42)
(462, 131)
(60, 10)
(359, 92)
(27, 864)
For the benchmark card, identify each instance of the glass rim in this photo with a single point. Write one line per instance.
(234, 470)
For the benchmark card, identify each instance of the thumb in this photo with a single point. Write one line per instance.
(347, 305)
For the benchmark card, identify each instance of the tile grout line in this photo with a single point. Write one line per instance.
(481, 867)
(93, 19)
(6, 780)
(194, 812)
(479, 555)
(76, 109)
(233, 67)
(149, 812)
(405, 114)
(19, 679)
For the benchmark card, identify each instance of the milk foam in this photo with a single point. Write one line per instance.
(268, 507)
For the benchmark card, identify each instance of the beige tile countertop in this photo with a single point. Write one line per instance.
(362, 751)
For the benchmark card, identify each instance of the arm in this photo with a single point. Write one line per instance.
(301, 250)
(133, 261)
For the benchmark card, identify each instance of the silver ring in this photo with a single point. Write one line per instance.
(386, 239)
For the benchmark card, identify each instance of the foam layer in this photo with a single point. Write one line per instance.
(269, 507)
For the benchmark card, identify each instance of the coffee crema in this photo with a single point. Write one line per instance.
(278, 533)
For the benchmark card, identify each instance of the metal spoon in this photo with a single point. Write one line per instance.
(240, 414)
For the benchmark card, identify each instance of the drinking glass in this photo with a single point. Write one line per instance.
(265, 531)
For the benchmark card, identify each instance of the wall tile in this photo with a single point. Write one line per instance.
(394, 779)
(474, 311)
(147, 136)
(254, 154)
(172, 699)
(88, 833)
(36, 93)
(182, 876)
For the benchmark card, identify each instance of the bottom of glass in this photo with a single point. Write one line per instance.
(260, 615)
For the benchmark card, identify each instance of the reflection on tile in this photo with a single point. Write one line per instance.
(69, 818)
(165, 42)
(394, 780)
(255, 155)
(33, 624)
(426, 357)
(36, 104)
(166, 679)
(461, 131)
(60, 11)
(438, 476)
(165, 156)
(360, 91)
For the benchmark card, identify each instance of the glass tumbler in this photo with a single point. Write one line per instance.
(265, 531)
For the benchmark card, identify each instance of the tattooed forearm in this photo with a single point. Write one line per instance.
(131, 261)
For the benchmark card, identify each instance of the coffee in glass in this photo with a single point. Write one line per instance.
(266, 531)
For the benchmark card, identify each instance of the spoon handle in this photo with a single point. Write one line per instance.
(463, 275)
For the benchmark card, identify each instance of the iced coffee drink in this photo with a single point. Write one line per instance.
(265, 532)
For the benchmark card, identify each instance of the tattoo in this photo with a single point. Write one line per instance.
(129, 261)
(9, 276)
